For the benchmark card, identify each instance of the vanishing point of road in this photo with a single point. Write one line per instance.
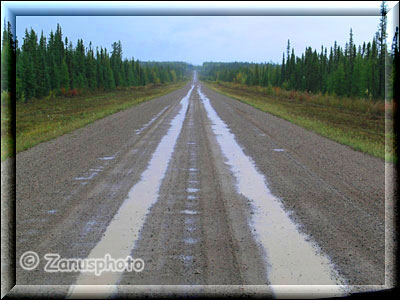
(211, 193)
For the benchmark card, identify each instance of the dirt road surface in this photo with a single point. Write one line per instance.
(211, 194)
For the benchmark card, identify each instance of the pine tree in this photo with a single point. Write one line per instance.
(7, 58)
(43, 79)
(91, 68)
(340, 80)
(109, 82)
(381, 44)
(64, 76)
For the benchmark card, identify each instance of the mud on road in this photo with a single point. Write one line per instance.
(195, 226)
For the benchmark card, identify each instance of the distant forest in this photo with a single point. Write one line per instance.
(54, 66)
(352, 71)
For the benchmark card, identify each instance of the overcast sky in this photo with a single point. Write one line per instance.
(199, 39)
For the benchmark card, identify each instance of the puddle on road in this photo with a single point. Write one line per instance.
(91, 176)
(107, 158)
(190, 241)
(190, 238)
(139, 131)
(189, 220)
(290, 259)
(92, 172)
(279, 150)
(187, 259)
(123, 231)
(52, 211)
(189, 212)
(258, 131)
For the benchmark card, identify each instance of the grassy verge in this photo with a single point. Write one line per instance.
(41, 120)
(7, 141)
(359, 125)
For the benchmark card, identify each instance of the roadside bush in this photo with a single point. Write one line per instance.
(390, 107)
(277, 91)
(308, 97)
(5, 98)
(284, 94)
(270, 90)
(361, 105)
(73, 92)
(63, 91)
(379, 107)
(300, 97)
(292, 95)
(52, 94)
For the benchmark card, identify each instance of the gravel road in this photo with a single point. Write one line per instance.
(212, 194)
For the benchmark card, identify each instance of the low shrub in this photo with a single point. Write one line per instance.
(52, 95)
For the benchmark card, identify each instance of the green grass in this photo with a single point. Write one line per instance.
(41, 120)
(360, 125)
(7, 142)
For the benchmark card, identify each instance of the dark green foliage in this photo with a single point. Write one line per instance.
(352, 71)
(54, 66)
(7, 58)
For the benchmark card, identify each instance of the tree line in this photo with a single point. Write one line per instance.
(54, 66)
(350, 71)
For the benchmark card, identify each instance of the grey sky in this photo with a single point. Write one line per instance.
(198, 39)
